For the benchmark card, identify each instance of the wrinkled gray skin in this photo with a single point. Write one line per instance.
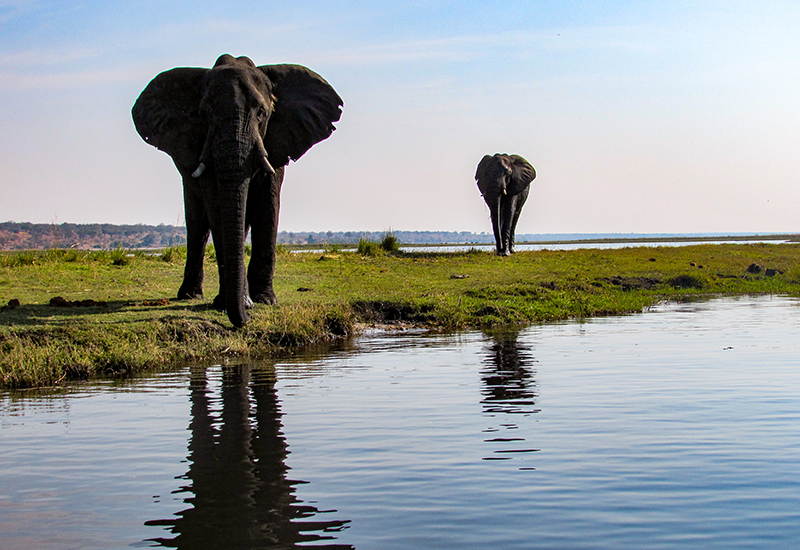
(230, 131)
(504, 181)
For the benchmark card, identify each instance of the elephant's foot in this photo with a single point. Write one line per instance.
(266, 297)
(219, 302)
(503, 253)
(186, 292)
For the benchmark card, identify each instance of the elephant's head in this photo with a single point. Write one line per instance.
(226, 124)
(502, 174)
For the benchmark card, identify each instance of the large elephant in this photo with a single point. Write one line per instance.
(504, 181)
(231, 131)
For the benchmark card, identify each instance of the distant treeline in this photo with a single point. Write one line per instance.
(30, 236)
(405, 237)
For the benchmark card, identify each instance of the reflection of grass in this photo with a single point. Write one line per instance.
(143, 327)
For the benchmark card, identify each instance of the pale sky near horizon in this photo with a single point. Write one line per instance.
(646, 117)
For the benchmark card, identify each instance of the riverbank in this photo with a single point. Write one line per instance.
(116, 315)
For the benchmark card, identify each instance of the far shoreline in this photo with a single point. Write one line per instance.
(788, 238)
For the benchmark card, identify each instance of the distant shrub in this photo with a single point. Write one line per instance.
(281, 249)
(70, 255)
(390, 242)
(473, 250)
(172, 254)
(25, 257)
(119, 257)
(98, 256)
(211, 252)
(368, 248)
(333, 248)
(52, 255)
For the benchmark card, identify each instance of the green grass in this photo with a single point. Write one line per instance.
(134, 324)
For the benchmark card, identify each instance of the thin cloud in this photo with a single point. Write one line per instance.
(12, 9)
(46, 57)
(16, 82)
(474, 46)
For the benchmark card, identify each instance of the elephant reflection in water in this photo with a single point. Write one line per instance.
(238, 490)
(508, 376)
(509, 388)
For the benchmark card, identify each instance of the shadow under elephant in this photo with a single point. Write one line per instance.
(236, 483)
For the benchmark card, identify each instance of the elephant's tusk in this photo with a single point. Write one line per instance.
(267, 166)
(200, 169)
(261, 151)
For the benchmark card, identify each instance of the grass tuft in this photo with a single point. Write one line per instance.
(368, 248)
(173, 254)
(119, 257)
(687, 281)
(389, 243)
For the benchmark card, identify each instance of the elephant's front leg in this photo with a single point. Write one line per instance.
(503, 226)
(263, 207)
(197, 229)
(495, 212)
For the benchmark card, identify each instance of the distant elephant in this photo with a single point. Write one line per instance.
(231, 131)
(504, 181)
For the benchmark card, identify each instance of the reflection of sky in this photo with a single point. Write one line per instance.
(672, 429)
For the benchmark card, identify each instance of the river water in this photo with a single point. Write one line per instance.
(674, 428)
(578, 245)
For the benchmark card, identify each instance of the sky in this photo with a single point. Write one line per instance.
(640, 117)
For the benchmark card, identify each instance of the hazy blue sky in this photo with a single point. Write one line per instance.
(675, 116)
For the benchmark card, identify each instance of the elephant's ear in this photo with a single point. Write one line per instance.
(522, 174)
(305, 109)
(166, 114)
(480, 174)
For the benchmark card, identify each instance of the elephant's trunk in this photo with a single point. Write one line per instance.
(233, 234)
(233, 180)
